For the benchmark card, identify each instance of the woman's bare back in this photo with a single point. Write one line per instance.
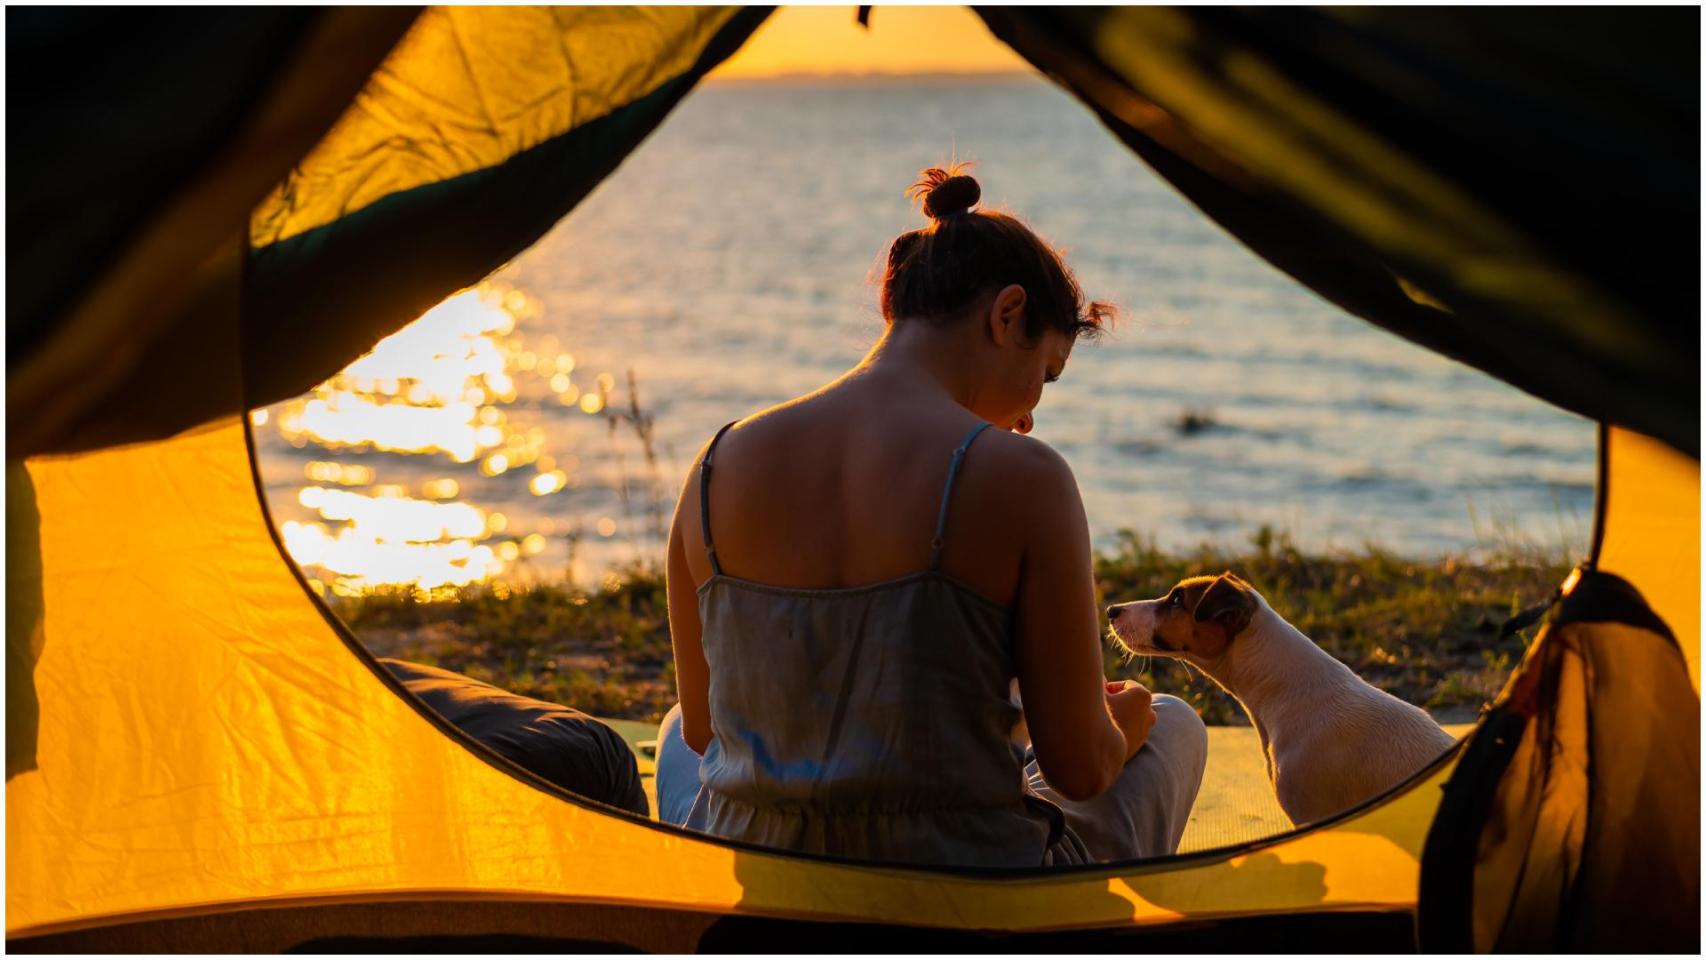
(842, 488)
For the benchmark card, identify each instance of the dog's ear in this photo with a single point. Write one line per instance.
(1228, 604)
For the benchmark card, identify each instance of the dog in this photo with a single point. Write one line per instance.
(1330, 739)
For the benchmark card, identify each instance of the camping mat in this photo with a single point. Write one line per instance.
(637, 732)
(1234, 806)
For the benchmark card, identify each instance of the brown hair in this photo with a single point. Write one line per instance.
(939, 271)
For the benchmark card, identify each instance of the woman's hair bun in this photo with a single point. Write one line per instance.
(945, 192)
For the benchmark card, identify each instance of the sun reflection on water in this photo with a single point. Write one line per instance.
(359, 561)
(437, 391)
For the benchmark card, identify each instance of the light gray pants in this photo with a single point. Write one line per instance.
(1142, 815)
(677, 770)
(1145, 812)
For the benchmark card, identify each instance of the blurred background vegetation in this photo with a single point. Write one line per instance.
(1426, 631)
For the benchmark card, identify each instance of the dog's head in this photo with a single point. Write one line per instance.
(1196, 621)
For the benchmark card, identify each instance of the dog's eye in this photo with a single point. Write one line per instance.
(1175, 598)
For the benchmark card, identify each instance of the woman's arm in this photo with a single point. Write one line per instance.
(1080, 745)
(692, 674)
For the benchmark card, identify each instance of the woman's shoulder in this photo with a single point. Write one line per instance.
(1025, 458)
(755, 433)
(763, 426)
(1024, 481)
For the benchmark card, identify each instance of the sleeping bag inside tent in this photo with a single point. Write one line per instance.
(218, 209)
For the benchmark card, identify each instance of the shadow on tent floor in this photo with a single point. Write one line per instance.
(1234, 806)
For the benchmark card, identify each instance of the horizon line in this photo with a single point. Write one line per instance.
(869, 76)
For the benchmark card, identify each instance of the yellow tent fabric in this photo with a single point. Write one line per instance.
(469, 88)
(208, 741)
(1652, 531)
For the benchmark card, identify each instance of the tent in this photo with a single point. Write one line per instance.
(211, 210)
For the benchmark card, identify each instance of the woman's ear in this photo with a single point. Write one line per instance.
(1007, 315)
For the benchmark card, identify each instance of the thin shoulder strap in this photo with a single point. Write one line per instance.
(948, 492)
(705, 498)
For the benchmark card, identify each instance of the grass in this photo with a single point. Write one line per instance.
(1425, 631)
(606, 651)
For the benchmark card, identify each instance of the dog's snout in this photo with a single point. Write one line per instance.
(1114, 613)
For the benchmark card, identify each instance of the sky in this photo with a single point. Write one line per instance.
(829, 40)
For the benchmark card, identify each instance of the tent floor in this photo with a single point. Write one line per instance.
(450, 926)
(1234, 806)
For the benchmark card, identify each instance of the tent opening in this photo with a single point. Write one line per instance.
(487, 490)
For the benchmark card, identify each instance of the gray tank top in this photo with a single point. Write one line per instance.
(868, 722)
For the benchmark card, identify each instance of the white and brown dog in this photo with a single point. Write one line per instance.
(1331, 740)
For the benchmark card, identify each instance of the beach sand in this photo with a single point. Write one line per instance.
(1235, 805)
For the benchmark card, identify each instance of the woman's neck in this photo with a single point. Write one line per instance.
(917, 355)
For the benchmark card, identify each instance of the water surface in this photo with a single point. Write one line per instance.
(729, 263)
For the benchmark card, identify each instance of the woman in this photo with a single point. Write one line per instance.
(856, 576)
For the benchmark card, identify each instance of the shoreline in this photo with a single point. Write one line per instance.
(1423, 630)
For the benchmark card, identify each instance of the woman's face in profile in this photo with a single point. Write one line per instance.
(1034, 365)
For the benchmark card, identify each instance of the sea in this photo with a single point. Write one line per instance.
(538, 427)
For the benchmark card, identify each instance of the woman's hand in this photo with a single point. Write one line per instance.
(1133, 710)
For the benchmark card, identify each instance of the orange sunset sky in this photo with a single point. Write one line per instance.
(828, 40)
